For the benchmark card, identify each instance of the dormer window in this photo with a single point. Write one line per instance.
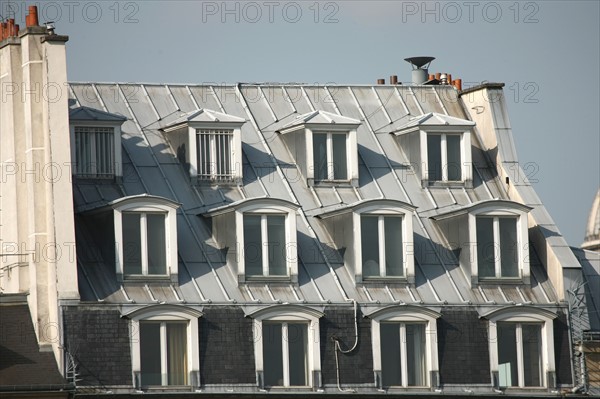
(145, 237)
(96, 143)
(259, 237)
(493, 240)
(439, 148)
(208, 143)
(377, 236)
(324, 146)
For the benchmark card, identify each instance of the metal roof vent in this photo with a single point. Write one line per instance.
(420, 66)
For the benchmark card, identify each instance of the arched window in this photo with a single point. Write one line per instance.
(286, 346)
(164, 346)
(405, 350)
(521, 343)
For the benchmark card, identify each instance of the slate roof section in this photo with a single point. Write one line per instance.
(150, 166)
(22, 364)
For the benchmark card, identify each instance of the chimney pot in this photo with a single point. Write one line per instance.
(33, 16)
(394, 80)
(11, 28)
(16, 30)
(380, 81)
(438, 76)
(449, 79)
(458, 84)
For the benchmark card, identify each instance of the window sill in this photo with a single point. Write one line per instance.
(139, 278)
(167, 388)
(500, 281)
(232, 181)
(268, 279)
(446, 184)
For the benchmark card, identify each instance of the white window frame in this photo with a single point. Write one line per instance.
(236, 149)
(381, 240)
(523, 314)
(382, 210)
(117, 169)
(214, 155)
(465, 153)
(290, 245)
(143, 205)
(406, 314)
(498, 243)
(351, 154)
(329, 156)
(498, 211)
(289, 314)
(164, 314)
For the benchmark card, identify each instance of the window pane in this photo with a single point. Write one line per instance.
(320, 156)
(485, 247)
(132, 244)
(272, 354)
(177, 353)
(434, 157)
(252, 245)
(204, 160)
(532, 354)
(394, 265)
(157, 253)
(507, 354)
(339, 156)
(453, 154)
(276, 245)
(150, 353)
(415, 354)
(509, 253)
(83, 151)
(391, 365)
(370, 245)
(297, 344)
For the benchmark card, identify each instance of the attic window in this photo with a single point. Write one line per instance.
(325, 147)
(145, 237)
(258, 237)
(493, 239)
(215, 161)
(208, 143)
(377, 236)
(439, 148)
(96, 143)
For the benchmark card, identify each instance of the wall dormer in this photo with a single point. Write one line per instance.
(259, 237)
(324, 146)
(209, 144)
(96, 138)
(378, 238)
(492, 240)
(439, 148)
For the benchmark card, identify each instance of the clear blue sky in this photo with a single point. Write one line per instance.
(546, 52)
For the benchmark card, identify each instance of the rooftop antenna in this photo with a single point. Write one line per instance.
(420, 68)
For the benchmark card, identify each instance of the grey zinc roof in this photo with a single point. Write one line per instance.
(151, 167)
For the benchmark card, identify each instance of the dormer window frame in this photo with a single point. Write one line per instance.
(434, 124)
(460, 228)
(465, 155)
(322, 122)
(232, 215)
(351, 218)
(116, 155)
(212, 124)
(522, 243)
(351, 155)
(145, 205)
